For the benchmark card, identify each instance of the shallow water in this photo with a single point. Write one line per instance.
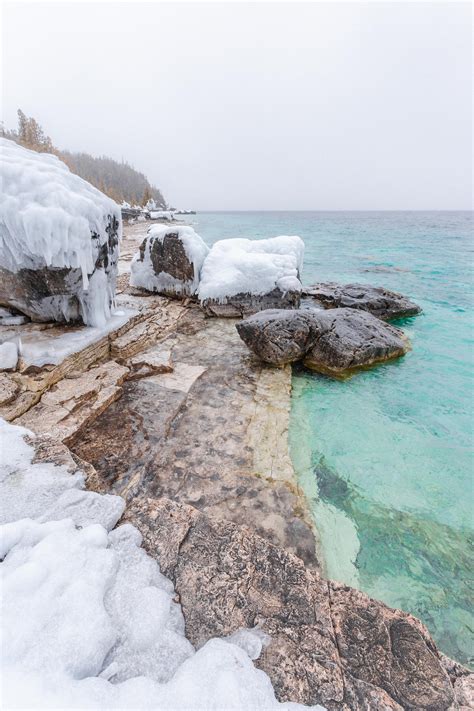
(386, 457)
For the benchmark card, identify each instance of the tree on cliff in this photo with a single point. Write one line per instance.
(120, 181)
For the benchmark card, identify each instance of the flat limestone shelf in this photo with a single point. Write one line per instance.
(213, 433)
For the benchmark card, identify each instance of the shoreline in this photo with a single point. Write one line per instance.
(199, 448)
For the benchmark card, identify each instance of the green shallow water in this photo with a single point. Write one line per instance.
(386, 457)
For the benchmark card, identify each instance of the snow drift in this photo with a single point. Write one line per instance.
(59, 240)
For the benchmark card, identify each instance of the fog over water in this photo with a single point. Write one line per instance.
(256, 106)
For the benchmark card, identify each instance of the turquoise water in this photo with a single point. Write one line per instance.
(386, 457)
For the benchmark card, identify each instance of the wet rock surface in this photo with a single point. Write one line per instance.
(330, 644)
(335, 342)
(376, 300)
(212, 433)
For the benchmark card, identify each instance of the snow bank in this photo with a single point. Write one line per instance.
(153, 273)
(243, 266)
(50, 217)
(88, 620)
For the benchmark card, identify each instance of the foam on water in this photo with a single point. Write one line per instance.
(386, 457)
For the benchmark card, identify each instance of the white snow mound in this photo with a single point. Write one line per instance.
(47, 213)
(243, 266)
(143, 275)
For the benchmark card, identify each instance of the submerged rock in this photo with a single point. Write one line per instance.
(330, 644)
(376, 300)
(334, 342)
(169, 261)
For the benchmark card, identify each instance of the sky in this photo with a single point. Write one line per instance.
(256, 106)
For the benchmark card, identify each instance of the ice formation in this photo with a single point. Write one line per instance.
(88, 620)
(243, 266)
(51, 218)
(8, 355)
(143, 269)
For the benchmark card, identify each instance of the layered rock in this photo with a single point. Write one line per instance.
(376, 300)
(330, 644)
(334, 342)
(241, 276)
(59, 241)
(169, 261)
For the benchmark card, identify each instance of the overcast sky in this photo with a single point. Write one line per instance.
(256, 106)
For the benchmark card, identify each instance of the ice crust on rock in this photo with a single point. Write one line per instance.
(143, 269)
(88, 620)
(243, 266)
(51, 218)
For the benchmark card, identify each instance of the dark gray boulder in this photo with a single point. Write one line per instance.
(278, 336)
(376, 300)
(335, 342)
(345, 340)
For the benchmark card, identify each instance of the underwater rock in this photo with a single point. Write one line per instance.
(376, 300)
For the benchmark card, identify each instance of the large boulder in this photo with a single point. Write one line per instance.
(59, 239)
(329, 644)
(277, 336)
(376, 300)
(345, 340)
(241, 276)
(169, 261)
(334, 342)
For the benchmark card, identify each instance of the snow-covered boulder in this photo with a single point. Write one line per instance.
(169, 261)
(162, 215)
(241, 276)
(59, 240)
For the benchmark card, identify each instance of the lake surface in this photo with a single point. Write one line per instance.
(386, 458)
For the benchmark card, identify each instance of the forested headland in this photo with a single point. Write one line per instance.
(118, 180)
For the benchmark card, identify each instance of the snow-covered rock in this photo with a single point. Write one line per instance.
(59, 240)
(242, 276)
(88, 620)
(169, 261)
(162, 215)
